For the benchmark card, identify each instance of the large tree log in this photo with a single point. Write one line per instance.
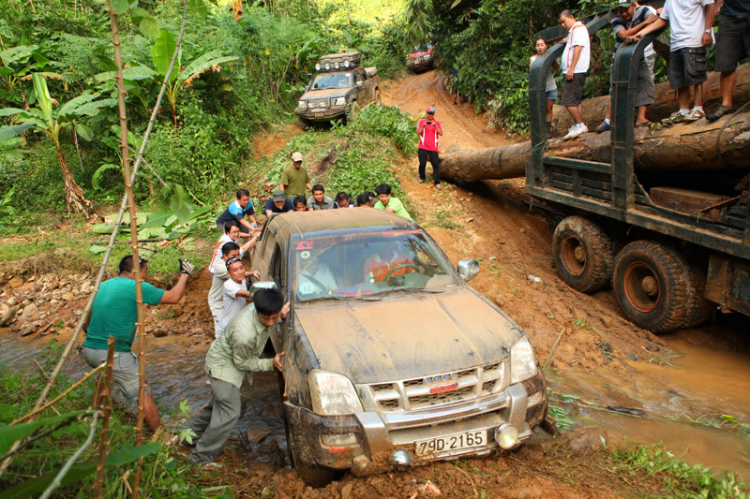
(665, 102)
(678, 148)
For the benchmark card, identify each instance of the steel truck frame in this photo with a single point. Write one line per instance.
(680, 266)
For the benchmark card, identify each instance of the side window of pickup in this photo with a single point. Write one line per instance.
(264, 252)
(276, 266)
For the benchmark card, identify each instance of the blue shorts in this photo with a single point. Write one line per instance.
(552, 94)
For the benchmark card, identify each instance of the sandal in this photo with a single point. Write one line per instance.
(643, 124)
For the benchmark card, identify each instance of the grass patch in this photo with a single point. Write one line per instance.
(679, 478)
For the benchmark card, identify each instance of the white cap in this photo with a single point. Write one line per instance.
(297, 156)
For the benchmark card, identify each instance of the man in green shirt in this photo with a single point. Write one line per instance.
(295, 179)
(231, 358)
(389, 203)
(114, 313)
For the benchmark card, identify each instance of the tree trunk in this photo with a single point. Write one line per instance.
(74, 198)
(679, 148)
(665, 102)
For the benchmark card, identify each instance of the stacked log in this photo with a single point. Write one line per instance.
(665, 102)
(681, 147)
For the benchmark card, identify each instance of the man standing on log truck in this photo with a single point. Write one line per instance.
(575, 64)
(732, 45)
(691, 26)
(115, 313)
(630, 19)
(429, 131)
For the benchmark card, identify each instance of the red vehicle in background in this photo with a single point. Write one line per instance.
(421, 58)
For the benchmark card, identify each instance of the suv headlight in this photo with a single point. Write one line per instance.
(332, 394)
(341, 101)
(522, 361)
(302, 104)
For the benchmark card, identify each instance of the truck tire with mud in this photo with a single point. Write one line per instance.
(653, 286)
(351, 112)
(583, 254)
(303, 123)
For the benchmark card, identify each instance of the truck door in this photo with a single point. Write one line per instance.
(359, 81)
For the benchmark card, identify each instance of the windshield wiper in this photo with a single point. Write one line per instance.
(411, 289)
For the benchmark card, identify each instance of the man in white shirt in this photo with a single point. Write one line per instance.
(691, 30)
(575, 64)
(229, 251)
(235, 294)
(231, 235)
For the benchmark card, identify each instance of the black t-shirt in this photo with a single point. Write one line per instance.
(736, 7)
(270, 205)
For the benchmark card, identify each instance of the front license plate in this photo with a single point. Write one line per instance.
(448, 443)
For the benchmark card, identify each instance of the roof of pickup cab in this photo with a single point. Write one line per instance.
(321, 222)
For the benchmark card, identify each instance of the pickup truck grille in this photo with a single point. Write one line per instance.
(438, 389)
(317, 104)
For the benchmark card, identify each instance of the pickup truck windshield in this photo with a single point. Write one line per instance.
(326, 81)
(361, 265)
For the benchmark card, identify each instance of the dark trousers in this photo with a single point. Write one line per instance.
(434, 161)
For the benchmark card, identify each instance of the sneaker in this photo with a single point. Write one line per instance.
(695, 115)
(721, 111)
(675, 117)
(575, 131)
(438, 187)
(604, 127)
(421, 181)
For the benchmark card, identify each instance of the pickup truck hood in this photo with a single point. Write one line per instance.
(407, 336)
(325, 94)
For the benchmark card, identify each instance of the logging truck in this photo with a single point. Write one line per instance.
(662, 216)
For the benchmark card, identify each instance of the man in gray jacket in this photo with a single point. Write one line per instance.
(232, 357)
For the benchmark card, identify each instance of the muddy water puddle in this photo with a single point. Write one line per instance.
(175, 373)
(679, 402)
(682, 404)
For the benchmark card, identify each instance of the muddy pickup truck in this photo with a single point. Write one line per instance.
(421, 58)
(392, 360)
(339, 90)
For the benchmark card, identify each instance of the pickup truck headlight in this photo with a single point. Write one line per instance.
(332, 394)
(302, 104)
(341, 101)
(522, 361)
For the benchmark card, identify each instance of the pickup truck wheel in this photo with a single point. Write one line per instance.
(652, 285)
(351, 112)
(313, 477)
(378, 99)
(303, 123)
(583, 254)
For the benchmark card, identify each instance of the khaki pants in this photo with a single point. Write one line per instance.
(214, 423)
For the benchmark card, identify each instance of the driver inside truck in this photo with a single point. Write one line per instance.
(315, 276)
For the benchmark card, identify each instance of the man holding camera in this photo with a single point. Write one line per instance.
(429, 131)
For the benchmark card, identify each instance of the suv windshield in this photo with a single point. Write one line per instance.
(361, 265)
(326, 81)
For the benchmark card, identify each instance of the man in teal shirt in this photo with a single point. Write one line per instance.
(115, 313)
(389, 203)
(231, 358)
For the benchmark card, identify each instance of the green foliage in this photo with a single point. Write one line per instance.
(678, 477)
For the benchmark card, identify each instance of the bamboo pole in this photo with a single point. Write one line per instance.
(125, 151)
(104, 437)
(113, 237)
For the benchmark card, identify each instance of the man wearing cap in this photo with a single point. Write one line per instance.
(429, 131)
(115, 313)
(279, 203)
(631, 19)
(295, 178)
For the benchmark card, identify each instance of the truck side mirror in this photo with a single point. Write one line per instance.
(360, 83)
(256, 286)
(468, 269)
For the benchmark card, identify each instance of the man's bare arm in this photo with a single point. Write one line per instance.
(173, 295)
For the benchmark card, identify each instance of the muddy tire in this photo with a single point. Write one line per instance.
(378, 99)
(653, 287)
(304, 123)
(313, 477)
(583, 254)
(351, 112)
(703, 309)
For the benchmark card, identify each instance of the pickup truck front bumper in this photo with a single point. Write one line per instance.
(374, 440)
(417, 64)
(331, 113)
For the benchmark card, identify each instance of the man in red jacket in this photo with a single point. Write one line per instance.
(429, 131)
